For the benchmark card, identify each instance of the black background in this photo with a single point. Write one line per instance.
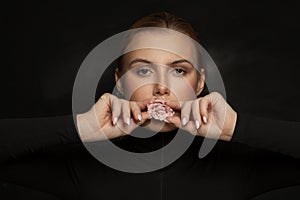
(255, 46)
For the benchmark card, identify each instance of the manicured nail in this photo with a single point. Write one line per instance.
(204, 119)
(115, 120)
(128, 121)
(184, 121)
(140, 117)
(197, 124)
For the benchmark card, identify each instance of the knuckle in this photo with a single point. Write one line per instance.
(124, 103)
(116, 111)
(132, 104)
(106, 95)
(186, 105)
(195, 104)
(104, 98)
(216, 94)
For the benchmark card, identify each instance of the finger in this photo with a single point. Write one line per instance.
(186, 112)
(175, 105)
(175, 120)
(196, 113)
(125, 112)
(145, 117)
(127, 129)
(136, 111)
(203, 104)
(143, 104)
(141, 109)
(190, 127)
(115, 109)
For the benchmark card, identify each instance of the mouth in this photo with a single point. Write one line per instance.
(157, 109)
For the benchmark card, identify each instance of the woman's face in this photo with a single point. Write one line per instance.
(153, 73)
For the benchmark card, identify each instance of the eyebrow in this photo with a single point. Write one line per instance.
(139, 60)
(149, 62)
(181, 61)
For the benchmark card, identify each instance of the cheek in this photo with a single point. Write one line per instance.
(185, 89)
(183, 92)
(130, 86)
(134, 93)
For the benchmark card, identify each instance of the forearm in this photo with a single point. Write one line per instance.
(27, 135)
(270, 134)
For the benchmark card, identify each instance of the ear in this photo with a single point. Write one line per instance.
(118, 82)
(201, 81)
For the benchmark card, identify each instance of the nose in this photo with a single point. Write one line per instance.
(162, 81)
(161, 90)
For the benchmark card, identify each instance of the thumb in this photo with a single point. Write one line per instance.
(175, 120)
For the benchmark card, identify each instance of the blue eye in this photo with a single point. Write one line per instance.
(143, 72)
(179, 71)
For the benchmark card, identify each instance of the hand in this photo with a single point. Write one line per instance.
(110, 117)
(210, 116)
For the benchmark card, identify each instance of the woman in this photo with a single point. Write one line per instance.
(62, 168)
(171, 76)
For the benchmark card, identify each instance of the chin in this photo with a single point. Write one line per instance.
(158, 126)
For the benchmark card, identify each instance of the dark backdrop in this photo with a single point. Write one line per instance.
(255, 46)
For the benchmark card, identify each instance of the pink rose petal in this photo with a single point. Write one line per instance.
(157, 109)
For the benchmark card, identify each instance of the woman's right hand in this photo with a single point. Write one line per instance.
(110, 117)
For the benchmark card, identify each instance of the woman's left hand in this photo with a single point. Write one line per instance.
(209, 116)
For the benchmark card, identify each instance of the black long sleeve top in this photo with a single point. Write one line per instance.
(45, 157)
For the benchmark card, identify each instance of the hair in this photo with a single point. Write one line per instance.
(166, 20)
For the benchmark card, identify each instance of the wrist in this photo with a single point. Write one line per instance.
(229, 127)
(86, 123)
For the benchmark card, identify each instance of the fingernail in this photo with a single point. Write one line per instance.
(197, 124)
(204, 119)
(115, 120)
(140, 117)
(128, 121)
(184, 121)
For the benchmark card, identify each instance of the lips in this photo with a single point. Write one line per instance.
(157, 109)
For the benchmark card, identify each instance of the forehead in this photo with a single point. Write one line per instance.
(157, 44)
(157, 56)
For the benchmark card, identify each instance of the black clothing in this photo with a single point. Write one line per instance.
(44, 158)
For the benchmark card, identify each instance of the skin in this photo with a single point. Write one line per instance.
(148, 73)
(154, 73)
